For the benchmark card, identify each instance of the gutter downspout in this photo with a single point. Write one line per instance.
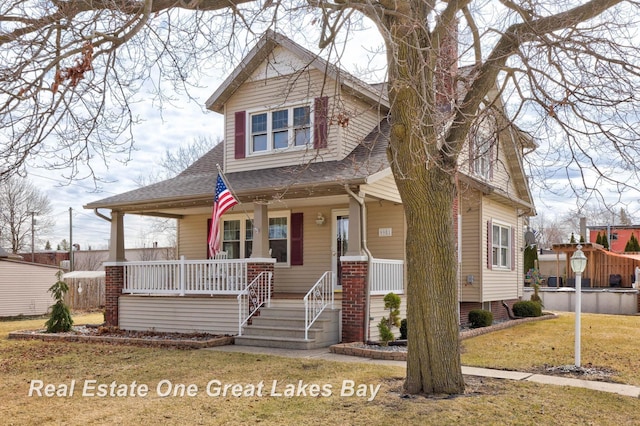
(363, 238)
(101, 216)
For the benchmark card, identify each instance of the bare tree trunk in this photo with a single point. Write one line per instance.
(433, 364)
(424, 168)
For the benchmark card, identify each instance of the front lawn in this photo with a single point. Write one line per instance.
(185, 374)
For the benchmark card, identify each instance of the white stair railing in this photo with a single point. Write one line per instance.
(253, 297)
(317, 299)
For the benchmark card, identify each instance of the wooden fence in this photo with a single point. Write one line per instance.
(85, 293)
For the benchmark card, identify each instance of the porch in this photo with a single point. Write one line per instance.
(236, 297)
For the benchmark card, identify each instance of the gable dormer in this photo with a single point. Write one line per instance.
(283, 105)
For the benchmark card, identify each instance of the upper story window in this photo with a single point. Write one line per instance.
(297, 126)
(280, 129)
(483, 143)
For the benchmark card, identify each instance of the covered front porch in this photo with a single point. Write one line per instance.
(221, 296)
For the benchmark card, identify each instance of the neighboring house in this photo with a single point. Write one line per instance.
(305, 154)
(617, 235)
(24, 286)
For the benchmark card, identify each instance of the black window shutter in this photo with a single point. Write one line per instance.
(489, 245)
(320, 122)
(240, 141)
(296, 238)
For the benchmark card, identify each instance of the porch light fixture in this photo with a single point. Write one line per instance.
(320, 219)
(578, 265)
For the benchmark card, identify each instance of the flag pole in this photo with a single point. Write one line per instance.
(226, 182)
(230, 188)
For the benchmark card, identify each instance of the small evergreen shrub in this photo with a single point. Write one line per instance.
(385, 332)
(60, 320)
(403, 329)
(392, 303)
(480, 318)
(527, 308)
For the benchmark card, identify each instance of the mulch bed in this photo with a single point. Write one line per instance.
(113, 335)
(399, 353)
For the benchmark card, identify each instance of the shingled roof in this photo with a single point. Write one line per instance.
(195, 184)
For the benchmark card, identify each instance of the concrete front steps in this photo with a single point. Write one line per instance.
(282, 326)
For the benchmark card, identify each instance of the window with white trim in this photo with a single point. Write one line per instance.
(237, 237)
(280, 129)
(484, 139)
(501, 246)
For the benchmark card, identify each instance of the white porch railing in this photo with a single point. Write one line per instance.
(253, 297)
(184, 277)
(386, 276)
(317, 299)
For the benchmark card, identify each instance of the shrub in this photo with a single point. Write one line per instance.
(527, 308)
(60, 320)
(403, 329)
(392, 303)
(480, 318)
(385, 333)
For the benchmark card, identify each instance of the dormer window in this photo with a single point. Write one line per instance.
(280, 129)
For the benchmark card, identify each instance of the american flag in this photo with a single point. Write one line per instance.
(222, 202)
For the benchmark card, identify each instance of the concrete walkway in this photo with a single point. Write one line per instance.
(324, 354)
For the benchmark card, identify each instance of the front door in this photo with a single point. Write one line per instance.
(340, 241)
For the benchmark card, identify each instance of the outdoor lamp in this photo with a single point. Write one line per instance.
(578, 264)
(578, 261)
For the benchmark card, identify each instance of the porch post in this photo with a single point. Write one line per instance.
(260, 231)
(116, 244)
(114, 283)
(355, 237)
(354, 315)
(114, 272)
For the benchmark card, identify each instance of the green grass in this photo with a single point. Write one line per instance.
(486, 401)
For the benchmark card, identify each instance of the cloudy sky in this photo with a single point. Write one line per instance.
(159, 132)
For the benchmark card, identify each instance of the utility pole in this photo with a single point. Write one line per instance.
(33, 249)
(71, 239)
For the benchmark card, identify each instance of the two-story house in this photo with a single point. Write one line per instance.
(319, 218)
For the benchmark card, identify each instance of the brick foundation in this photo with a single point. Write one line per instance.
(114, 283)
(354, 278)
(498, 311)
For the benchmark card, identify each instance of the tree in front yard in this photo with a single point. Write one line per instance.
(568, 70)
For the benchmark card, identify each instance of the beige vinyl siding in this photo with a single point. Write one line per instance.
(179, 314)
(273, 93)
(363, 119)
(284, 81)
(520, 255)
(192, 237)
(377, 311)
(501, 175)
(281, 62)
(316, 252)
(499, 284)
(501, 169)
(384, 188)
(381, 215)
(24, 288)
(473, 257)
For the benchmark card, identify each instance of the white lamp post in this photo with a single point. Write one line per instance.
(578, 264)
